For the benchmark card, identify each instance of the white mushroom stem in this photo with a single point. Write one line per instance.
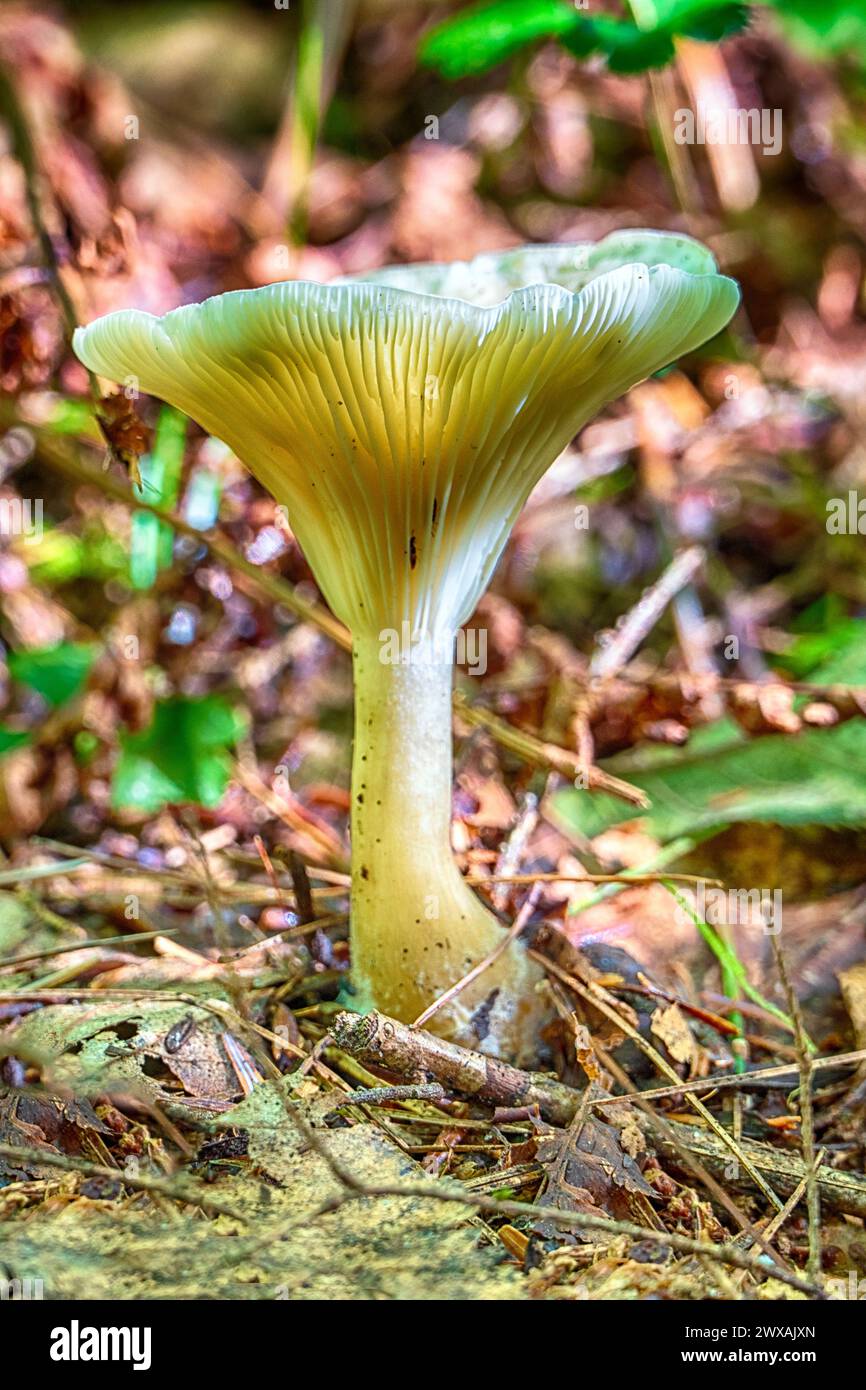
(417, 928)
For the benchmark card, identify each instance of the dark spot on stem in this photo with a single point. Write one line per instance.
(481, 1018)
(413, 551)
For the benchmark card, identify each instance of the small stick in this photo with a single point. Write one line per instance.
(513, 850)
(382, 1041)
(262, 852)
(135, 937)
(381, 1095)
(511, 935)
(640, 620)
(385, 1042)
(34, 871)
(301, 885)
(781, 1217)
(162, 1187)
(807, 1114)
(334, 919)
(533, 750)
(718, 1083)
(670, 1132)
(479, 880)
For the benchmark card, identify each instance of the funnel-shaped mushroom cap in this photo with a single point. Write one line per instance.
(404, 418)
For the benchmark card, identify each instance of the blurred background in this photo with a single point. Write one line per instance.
(155, 154)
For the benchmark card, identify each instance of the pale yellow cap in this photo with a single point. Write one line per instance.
(403, 418)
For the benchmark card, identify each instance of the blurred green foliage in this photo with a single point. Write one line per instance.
(56, 673)
(477, 39)
(826, 28)
(182, 756)
(151, 540)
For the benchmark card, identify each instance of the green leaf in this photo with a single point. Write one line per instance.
(73, 417)
(181, 757)
(829, 29)
(57, 673)
(477, 39)
(817, 777)
(710, 20)
(717, 23)
(151, 539)
(834, 656)
(12, 738)
(629, 49)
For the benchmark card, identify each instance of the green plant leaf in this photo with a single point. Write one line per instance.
(11, 739)
(829, 29)
(629, 49)
(57, 673)
(477, 39)
(709, 20)
(835, 655)
(814, 778)
(182, 756)
(151, 539)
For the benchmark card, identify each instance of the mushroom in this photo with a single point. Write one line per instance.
(403, 418)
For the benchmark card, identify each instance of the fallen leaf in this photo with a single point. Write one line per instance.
(669, 1024)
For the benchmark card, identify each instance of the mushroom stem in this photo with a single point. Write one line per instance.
(416, 927)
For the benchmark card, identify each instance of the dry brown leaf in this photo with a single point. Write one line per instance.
(669, 1024)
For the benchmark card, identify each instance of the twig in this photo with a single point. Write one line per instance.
(840, 1190)
(25, 153)
(807, 1114)
(781, 1217)
(383, 1095)
(270, 873)
(163, 1187)
(510, 936)
(290, 810)
(540, 754)
(598, 999)
(334, 919)
(301, 886)
(385, 1042)
(639, 621)
(669, 854)
(33, 871)
(718, 1083)
(629, 878)
(132, 937)
(22, 145)
(513, 850)
(847, 700)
